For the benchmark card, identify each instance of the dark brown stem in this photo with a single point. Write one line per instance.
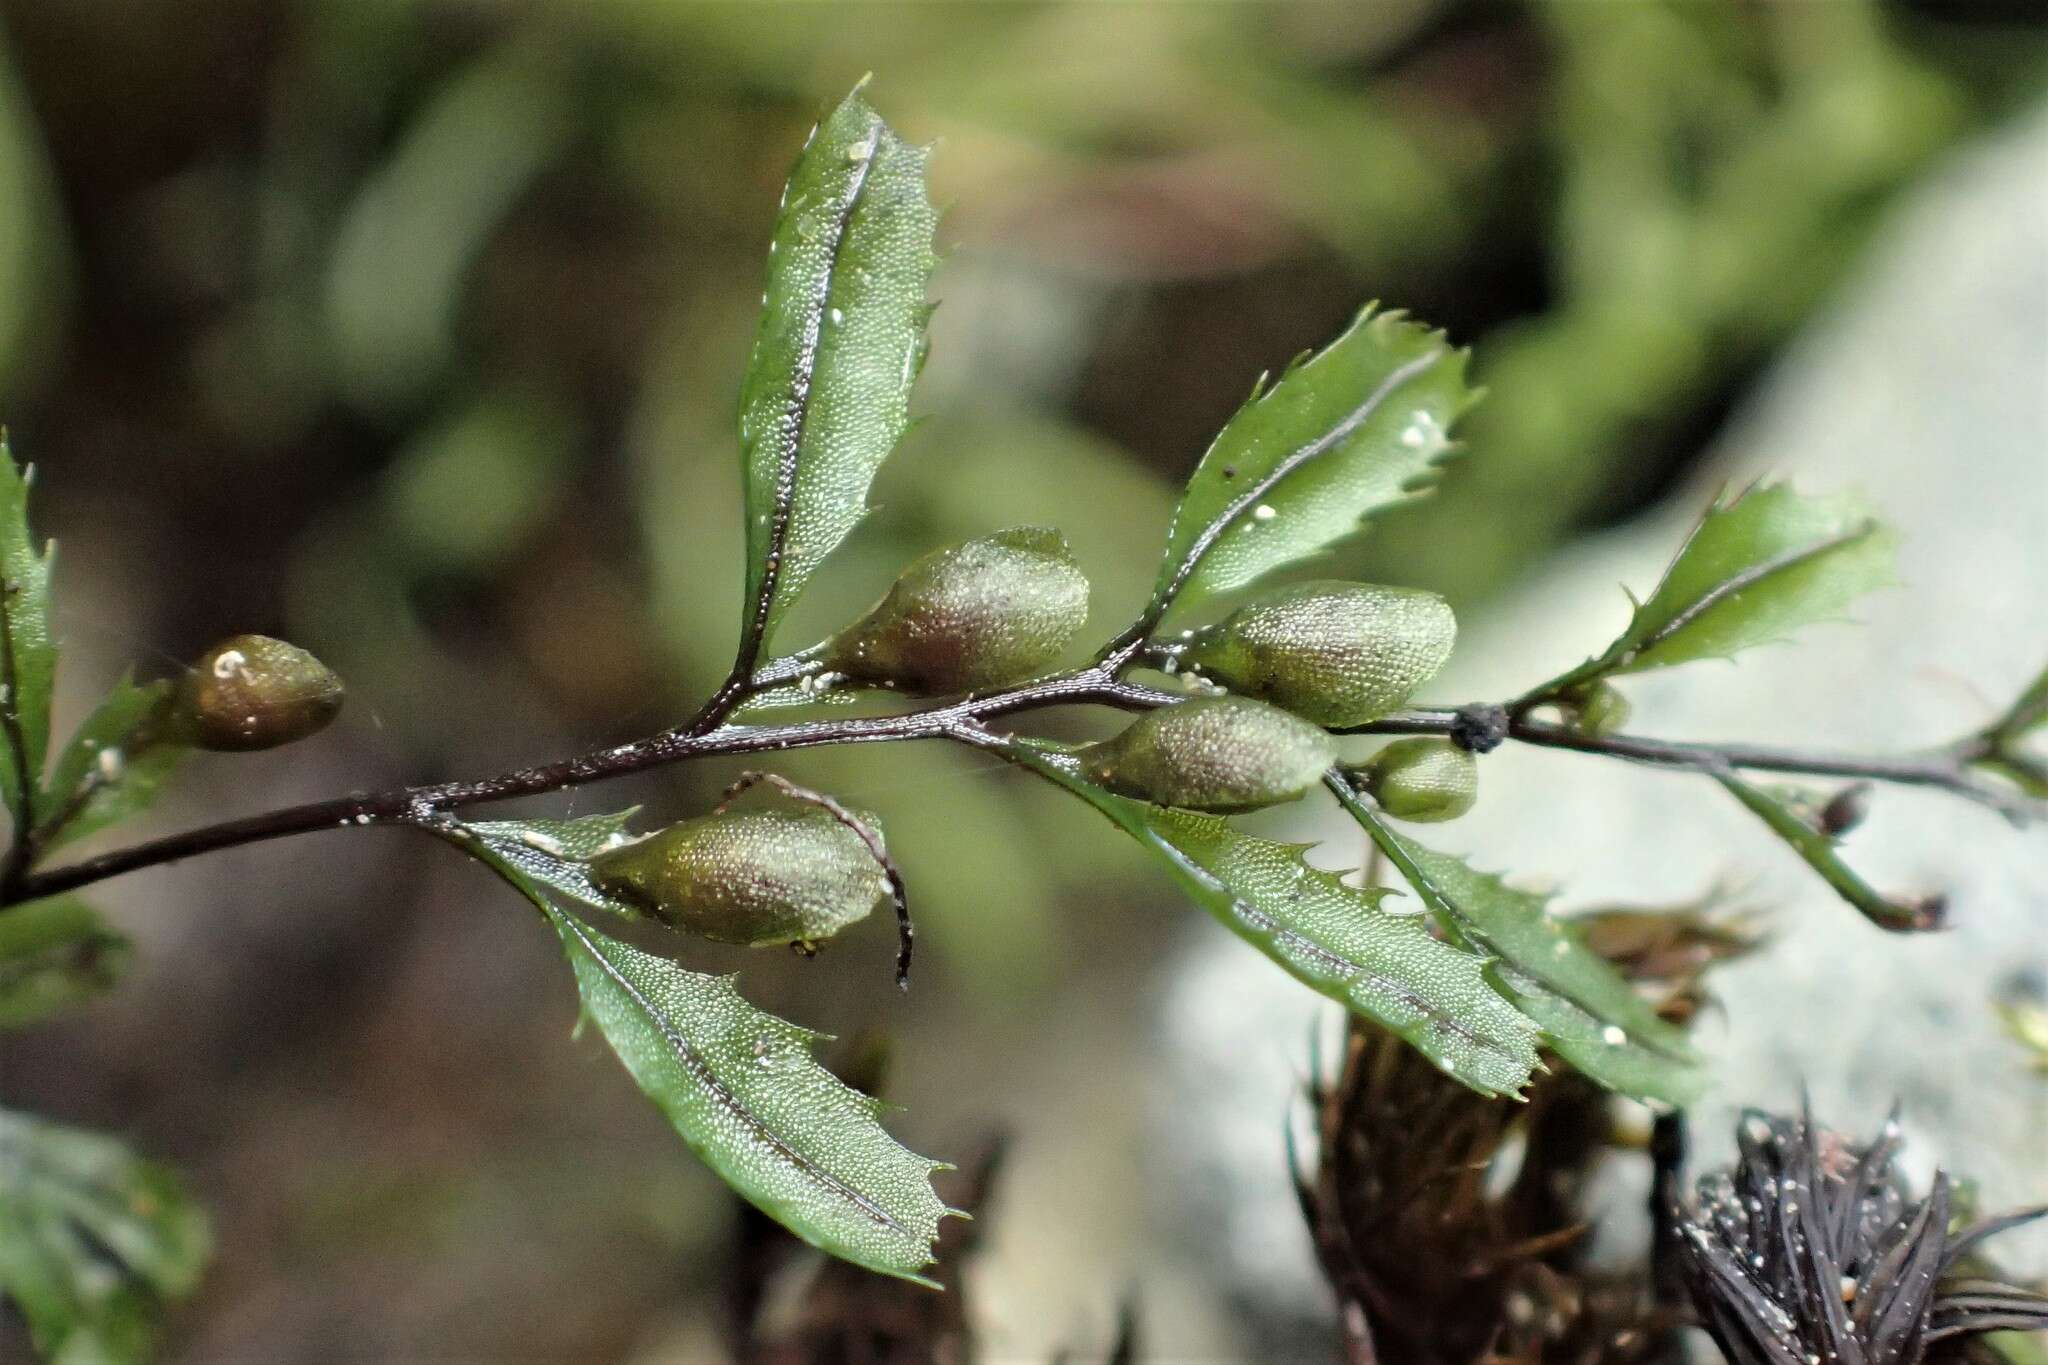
(959, 720)
(420, 805)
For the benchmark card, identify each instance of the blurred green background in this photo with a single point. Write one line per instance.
(412, 331)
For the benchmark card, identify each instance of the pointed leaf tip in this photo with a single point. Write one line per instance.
(745, 1093)
(1345, 432)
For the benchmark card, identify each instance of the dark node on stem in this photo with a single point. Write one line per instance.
(1480, 728)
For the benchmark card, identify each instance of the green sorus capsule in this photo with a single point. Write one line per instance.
(1335, 653)
(254, 692)
(984, 614)
(1424, 780)
(1596, 709)
(1218, 754)
(764, 875)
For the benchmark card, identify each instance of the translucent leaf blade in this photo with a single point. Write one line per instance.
(1516, 927)
(93, 1239)
(841, 340)
(28, 655)
(742, 1088)
(554, 854)
(1330, 936)
(739, 1085)
(114, 768)
(55, 954)
(1756, 569)
(1353, 429)
(1603, 1052)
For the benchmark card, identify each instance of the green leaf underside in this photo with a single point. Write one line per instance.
(1515, 927)
(555, 854)
(1330, 936)
(92, 1240)
(1755, 569)
(745, 1093)
(841, 340)
(54, 954)
(1604, 1052)
(28, 656)
(1819, 852)
(1357, 427)
(101, 777)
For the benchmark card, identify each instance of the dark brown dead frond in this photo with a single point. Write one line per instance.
(1448, 1222)
(1811, 1249)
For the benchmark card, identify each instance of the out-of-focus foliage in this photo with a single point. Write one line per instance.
(54, 954)
(92, 1241)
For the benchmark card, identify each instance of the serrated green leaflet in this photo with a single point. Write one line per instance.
(841, 340)
(1604, 1052)
(54, 954)
(555, 854)
(743, 1089)
(1347, 432)
(744, 1092)
(1819, 852)
(93, 1239)
(114, 767)
(1328, 935)
(1755, 569)
(1515, 927)
(28, 656)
